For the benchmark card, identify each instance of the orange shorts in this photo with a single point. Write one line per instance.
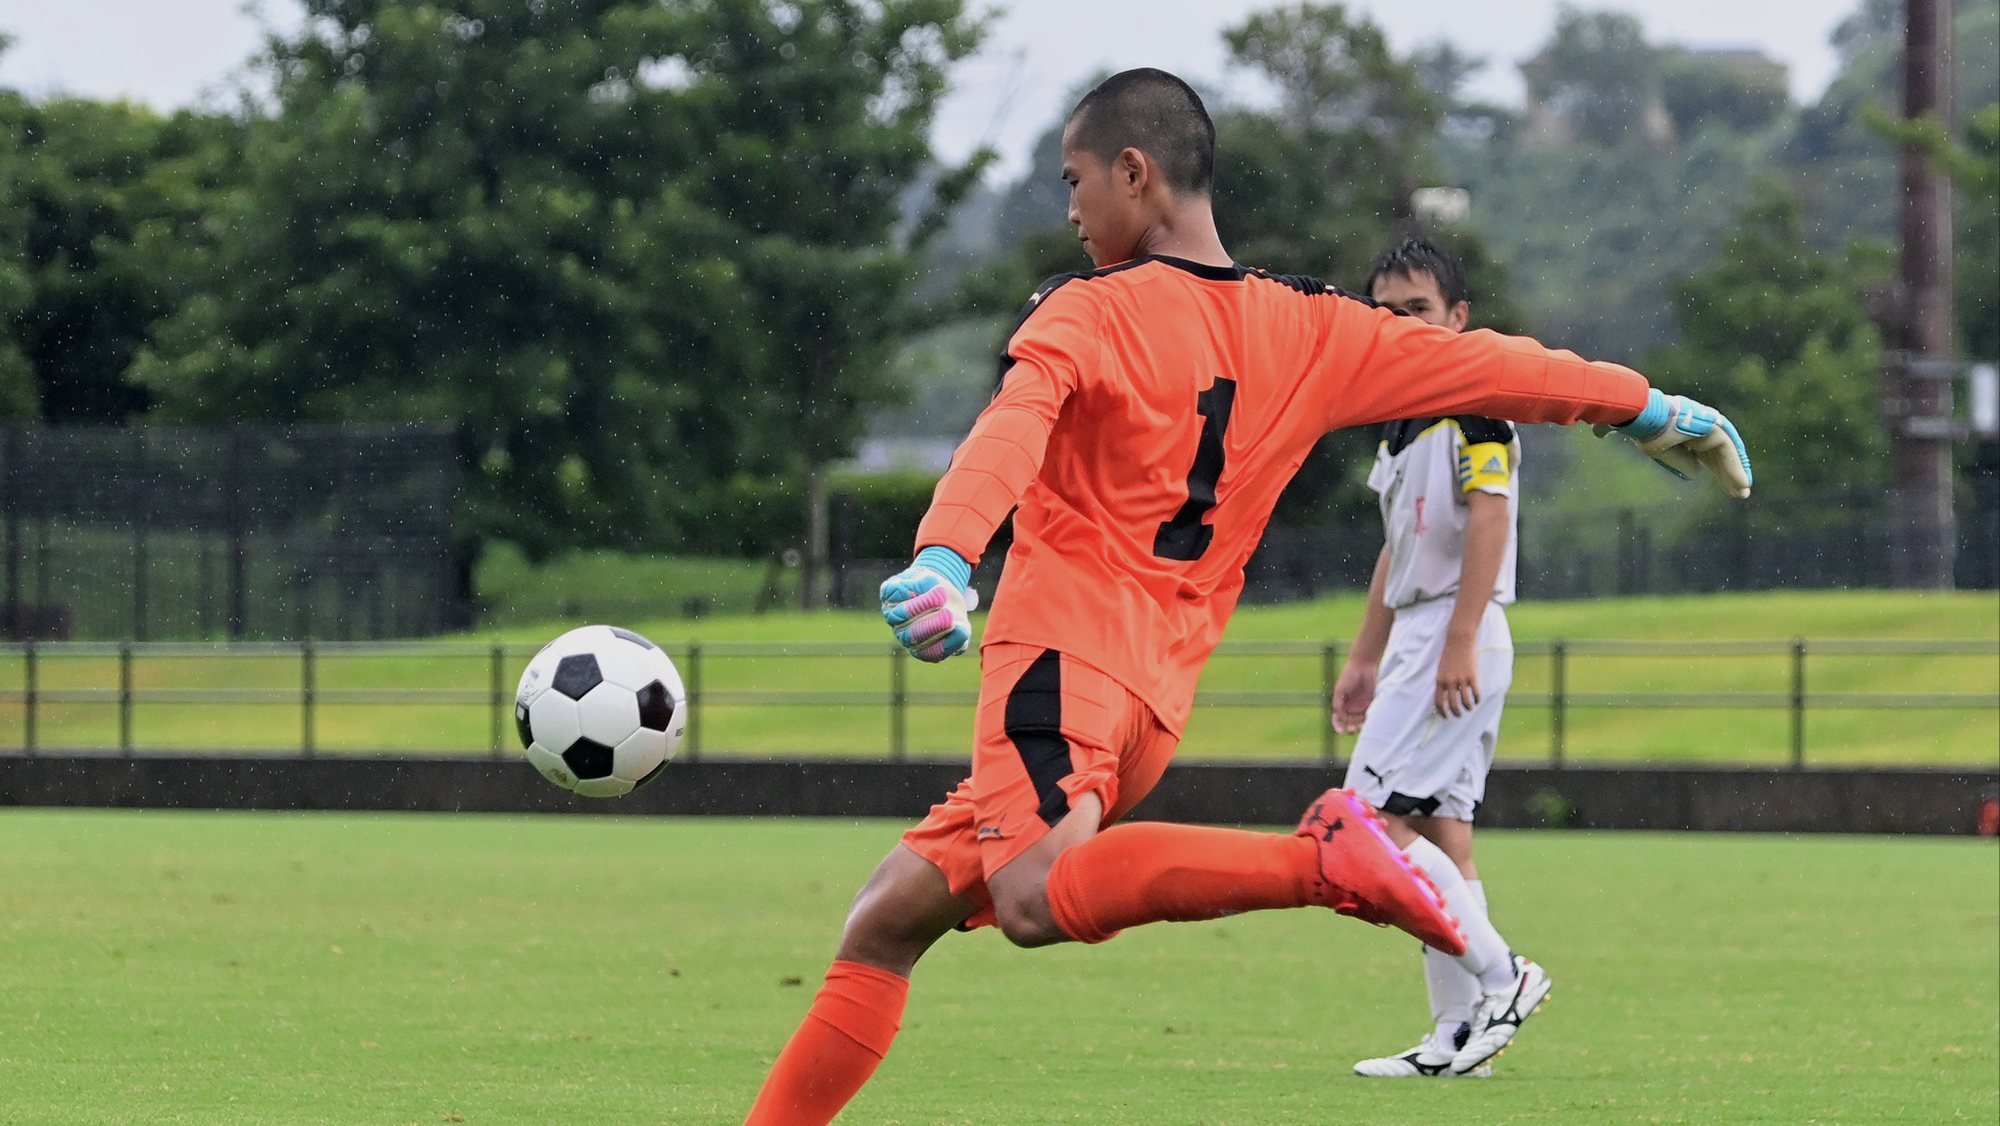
(1049, 728)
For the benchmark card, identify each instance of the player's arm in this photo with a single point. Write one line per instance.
(1355, 689)
(1375, 366)
(1486, 529)
(1483, 452)
(928, 604)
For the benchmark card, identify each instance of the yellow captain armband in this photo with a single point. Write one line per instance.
(1481, 466)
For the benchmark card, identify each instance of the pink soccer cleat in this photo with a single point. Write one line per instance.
(1364, 874)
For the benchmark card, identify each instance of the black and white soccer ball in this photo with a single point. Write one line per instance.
(600, 711)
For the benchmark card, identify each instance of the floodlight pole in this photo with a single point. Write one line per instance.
(1917, 404)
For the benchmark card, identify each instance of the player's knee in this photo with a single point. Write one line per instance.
(1027, 921)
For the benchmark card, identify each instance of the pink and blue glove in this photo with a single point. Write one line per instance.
(929, 606)
(1685, 436)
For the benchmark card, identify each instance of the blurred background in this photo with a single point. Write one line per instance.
(673, 309)
(357, 321)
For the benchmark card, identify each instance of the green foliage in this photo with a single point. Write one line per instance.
(1597, 237)
(637, 252)
(1334, 73)
(1317, 188)
(1701, 92)
(19, 397)
(103, 200)
(1846, 171)
(754, 516)
(876, 515)
(1776, 333)
(1598, 73)
(1974, 165)
(1978, 237)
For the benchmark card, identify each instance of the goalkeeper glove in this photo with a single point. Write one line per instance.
(1683, 436)
(928, 605)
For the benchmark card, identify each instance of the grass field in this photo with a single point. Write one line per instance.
(1727, 735)
(256, 968)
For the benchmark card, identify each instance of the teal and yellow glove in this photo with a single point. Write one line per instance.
(1684, 436)
(929, 606)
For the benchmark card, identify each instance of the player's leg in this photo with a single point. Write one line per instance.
(1454, 993)
(1071, 738)
(1486, 955)
(1452, 836)
(1511, 987)
(1409, 760)
(904, 908)
(1426, 772)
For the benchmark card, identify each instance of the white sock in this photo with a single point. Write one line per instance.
(1486, 955)
(1454, 993)
(1449, 1031)
(1478, 890)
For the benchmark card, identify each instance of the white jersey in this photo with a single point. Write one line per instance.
(1423, 469)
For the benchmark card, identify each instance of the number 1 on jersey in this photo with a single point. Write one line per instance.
(1186, 537)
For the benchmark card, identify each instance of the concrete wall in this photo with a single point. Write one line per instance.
(1731, 799)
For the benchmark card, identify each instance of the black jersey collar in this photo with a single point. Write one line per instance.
(1231, 272)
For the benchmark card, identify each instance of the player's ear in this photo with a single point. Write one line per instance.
(1459, 316)
(1132, 169)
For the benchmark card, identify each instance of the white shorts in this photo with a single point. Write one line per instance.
(1408, 758)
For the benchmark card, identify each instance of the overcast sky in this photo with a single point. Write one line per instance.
(171, 53)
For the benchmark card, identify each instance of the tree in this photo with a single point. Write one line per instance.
(1974, 166)
(1320, 186)
(633, 251)
(1978, 241)
(1776, 334)
(1598, 74)
(19, 398)
(95, 200)
(1700, 90)
(114, 196)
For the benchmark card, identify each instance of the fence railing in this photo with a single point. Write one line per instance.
(293, 678)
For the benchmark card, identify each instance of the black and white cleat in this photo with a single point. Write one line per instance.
(1428, 1060)
(1501, 1015)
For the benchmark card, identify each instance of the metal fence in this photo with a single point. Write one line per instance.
(238, 532)
(1845, 543)
(284, 690)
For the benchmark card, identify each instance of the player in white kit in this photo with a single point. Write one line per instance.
(1428, 675)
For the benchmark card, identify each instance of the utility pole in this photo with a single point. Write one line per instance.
(1917, 379)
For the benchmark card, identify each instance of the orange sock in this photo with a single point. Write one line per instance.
(845, 1034)
(1149, 872)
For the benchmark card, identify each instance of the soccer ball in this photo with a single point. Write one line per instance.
(600, 711)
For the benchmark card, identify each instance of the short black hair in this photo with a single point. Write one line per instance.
(1156, 113)
(1420, 255)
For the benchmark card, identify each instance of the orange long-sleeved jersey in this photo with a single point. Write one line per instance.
(1150, 413)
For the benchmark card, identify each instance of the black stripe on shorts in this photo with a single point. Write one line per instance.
(1033, 723)
(1403, 805)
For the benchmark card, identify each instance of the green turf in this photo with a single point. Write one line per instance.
(1966, 737)
(258, 968)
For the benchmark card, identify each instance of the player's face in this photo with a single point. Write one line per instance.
(1106, 208)
(1419, 295)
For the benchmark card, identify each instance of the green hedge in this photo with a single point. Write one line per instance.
(872, 517)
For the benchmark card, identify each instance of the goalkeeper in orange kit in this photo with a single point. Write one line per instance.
(1150, 412)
